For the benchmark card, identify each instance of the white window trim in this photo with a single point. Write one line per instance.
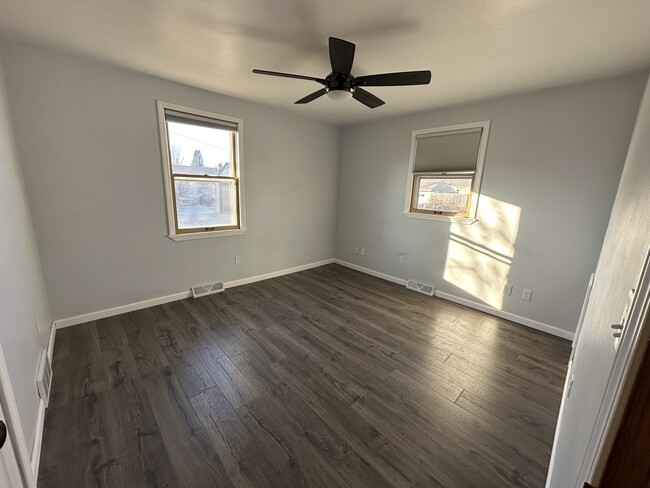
(166, 165)
(478, 176)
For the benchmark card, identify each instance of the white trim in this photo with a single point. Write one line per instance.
(40, 418)
(443, 218)
(550, 329)
(478, 175)
(583, 312)
(10, 410)
(50, 342)
(275, 274)
(38, 439)
(205, 235)
(164, 149)
(567, 381)
(109, 312)
(558, 424)
(371, 272)
(533, 324)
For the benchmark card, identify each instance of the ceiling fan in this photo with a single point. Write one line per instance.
(340, 84)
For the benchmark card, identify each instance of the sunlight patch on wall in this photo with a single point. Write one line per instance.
(479, 255)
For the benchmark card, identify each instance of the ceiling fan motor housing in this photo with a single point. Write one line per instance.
(338, 81)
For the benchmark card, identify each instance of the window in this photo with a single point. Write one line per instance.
(445, 171)
(203, 172)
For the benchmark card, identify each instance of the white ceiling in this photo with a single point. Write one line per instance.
(476, 49)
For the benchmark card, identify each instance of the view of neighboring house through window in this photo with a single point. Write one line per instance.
(202, 170)
(445, 170)
(443, 194)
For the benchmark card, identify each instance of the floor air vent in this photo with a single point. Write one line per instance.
(44, 377)
(420, 287)
(201, 291)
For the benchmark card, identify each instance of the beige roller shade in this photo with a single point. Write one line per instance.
(447, 151)
(185, 118)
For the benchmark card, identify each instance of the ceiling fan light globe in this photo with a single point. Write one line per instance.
(339, 94)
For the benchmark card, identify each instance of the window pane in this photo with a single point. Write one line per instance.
(439, 194)
(199, 150)
(201, 204)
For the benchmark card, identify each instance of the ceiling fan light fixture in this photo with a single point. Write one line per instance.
(339, 94)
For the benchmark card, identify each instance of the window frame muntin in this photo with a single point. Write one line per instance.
(169, 177)
(478, 173)
(442, 175)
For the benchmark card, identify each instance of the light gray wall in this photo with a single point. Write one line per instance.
(620, 265)
(87, 136)
(556, 155)
(22, 293)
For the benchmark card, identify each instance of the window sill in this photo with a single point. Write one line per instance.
(442, 218)
(206, 235)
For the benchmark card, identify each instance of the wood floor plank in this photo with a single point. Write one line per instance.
(139, 327)
(245, 463)
(85, 375)
(183, 434)
(444, 468)
(302, 452)
(509, 417)
(508, 381)
(505, 452)
(224, 327)
(129, 410)
(232, 383)
(326, 441)
(184, 363)
(78, 434)
(322, 378)
(481, 355)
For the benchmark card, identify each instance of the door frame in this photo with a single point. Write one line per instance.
(9, 470)
(16, 434)
(567, 380)
(626, 363)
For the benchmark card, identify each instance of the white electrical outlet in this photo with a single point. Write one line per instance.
(363, 251)
(526, 294)
(237, 259)
(507, 290)
(356, 250)
(401, 259)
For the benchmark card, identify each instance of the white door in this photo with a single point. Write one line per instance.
(9, 472)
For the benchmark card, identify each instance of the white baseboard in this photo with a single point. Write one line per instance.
(40, 417)
(550, 329)
(38, 438)
(50, 342)
(275, 274)
(371, 272)
(533, 324)
(110, 312)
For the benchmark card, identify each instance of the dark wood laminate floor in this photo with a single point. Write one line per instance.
(324, 378)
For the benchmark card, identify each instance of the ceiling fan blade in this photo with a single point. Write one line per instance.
(341, 56)
(289, 75)
(395, 79)
(367, 98)
(312, 96)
